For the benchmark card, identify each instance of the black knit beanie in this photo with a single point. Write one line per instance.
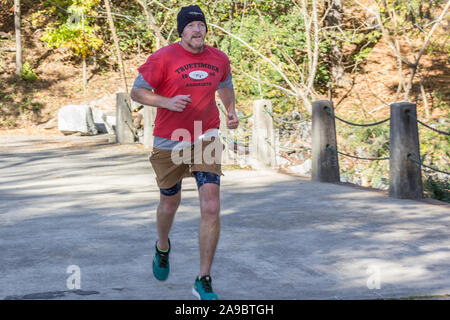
(189, 14)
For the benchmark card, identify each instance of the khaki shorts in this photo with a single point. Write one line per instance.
(172, 166)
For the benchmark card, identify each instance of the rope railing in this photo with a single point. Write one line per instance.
(328, 110)
(418, 162)
(288, 149)
(427, 126)
(294, 149)
(234, 141)
(246, 117)
(240, 118)
(410, 157)
(402, 142)
(330, 148)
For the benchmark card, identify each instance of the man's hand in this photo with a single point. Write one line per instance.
(227, 97)
(232, 120)
(178, 103)
(149, 98)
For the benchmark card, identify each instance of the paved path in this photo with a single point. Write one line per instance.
(74, 201)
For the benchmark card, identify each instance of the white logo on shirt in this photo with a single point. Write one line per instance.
(198, 75)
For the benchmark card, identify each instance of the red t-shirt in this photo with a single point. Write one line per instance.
(172, 71)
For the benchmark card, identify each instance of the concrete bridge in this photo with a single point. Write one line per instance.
(74, 206)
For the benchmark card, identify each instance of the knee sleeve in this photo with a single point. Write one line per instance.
(206, 177)
(172, 190)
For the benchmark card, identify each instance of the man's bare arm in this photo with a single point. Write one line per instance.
(149, 98)
(227, 97)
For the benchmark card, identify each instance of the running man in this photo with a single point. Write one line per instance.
(181, 80)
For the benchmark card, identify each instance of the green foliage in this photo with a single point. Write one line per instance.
(75, 32)
(27, 73)
(435, 147)
(71, 36)
(277, 35)
(441, 101)
(368, 142)
(132, 29)
(377, 137)
(411, 16)
(436, 188)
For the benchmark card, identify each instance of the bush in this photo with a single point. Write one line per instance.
(28, 73)
(436, 188)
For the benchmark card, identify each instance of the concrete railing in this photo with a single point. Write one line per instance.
(124, 121)
(149, 124)
(325, 163)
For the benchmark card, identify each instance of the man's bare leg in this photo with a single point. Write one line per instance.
(209, 231)
(165, 214)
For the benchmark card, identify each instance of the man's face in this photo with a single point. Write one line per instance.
(194, 35)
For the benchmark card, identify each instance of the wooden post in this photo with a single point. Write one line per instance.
(325, 163)
(263, 138)
(405, 176)
(124, 121)
(149, 125)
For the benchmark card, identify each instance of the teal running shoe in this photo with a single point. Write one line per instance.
(161, 266)
(203, 289)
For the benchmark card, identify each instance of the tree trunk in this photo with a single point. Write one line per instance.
(333, 21)
(84, 62)
(422, 50)
(116, 43)
(18, 37)
(160, 40)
